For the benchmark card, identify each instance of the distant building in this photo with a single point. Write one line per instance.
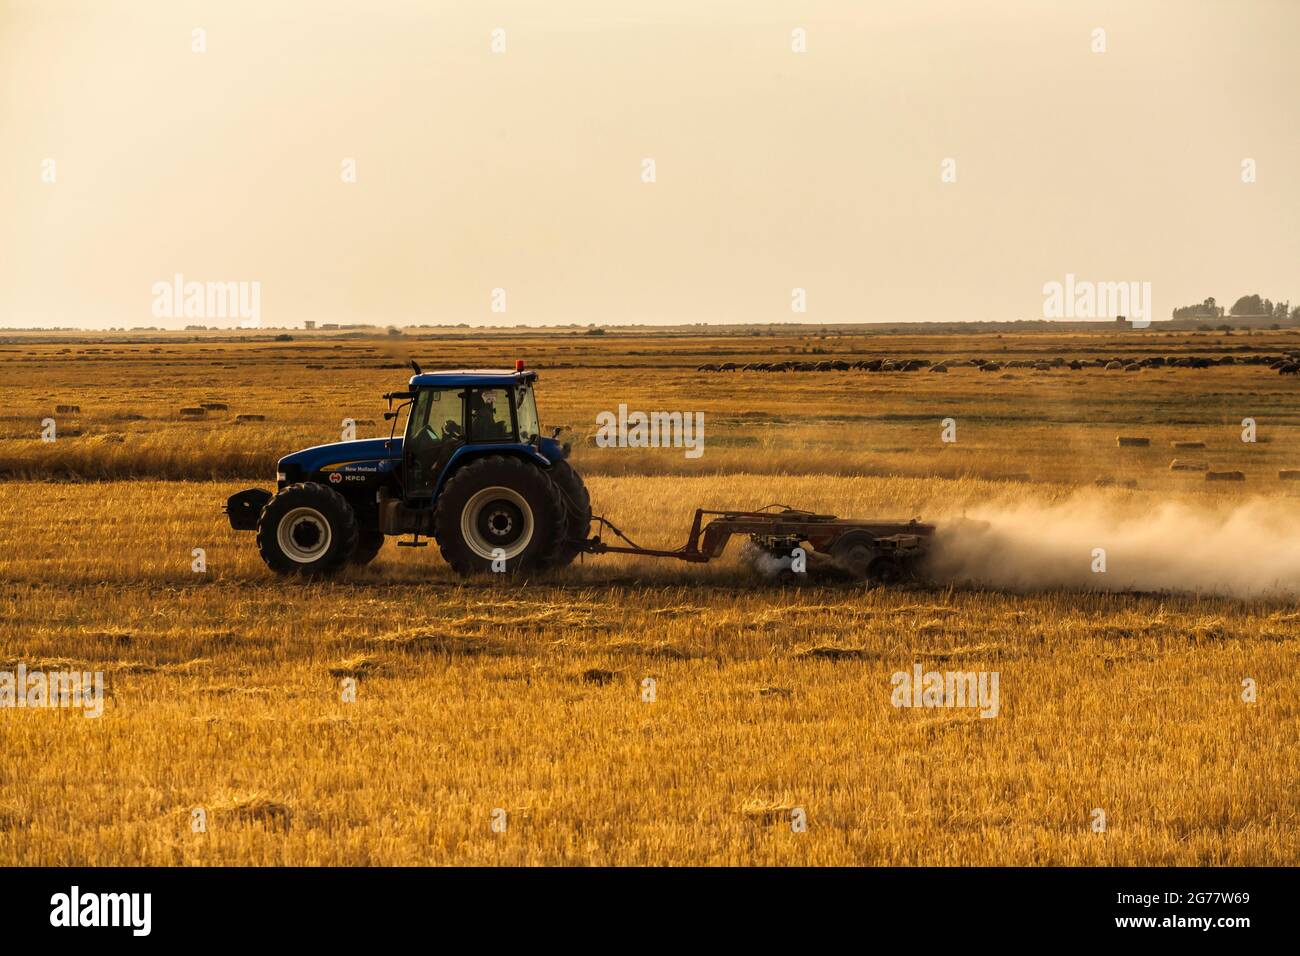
(309, 324)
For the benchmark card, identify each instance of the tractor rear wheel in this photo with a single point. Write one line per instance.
(369, 544)
(500, 511)
(307, 529)
(577, 507)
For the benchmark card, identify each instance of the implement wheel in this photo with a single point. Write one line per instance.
(857, 554)
(885, 570)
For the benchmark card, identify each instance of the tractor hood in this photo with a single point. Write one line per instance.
(339, 453)
(377, 455)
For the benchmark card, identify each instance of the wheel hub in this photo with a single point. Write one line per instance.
(497, 522)
(500, 521)
(304, 535)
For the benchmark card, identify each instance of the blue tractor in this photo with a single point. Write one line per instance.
(472, 471)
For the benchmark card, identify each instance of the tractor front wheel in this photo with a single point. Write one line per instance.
(500, 514)
(307, 529)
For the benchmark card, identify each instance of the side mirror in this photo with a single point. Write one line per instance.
(388, 416)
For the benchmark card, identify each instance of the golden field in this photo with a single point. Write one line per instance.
(527, 696)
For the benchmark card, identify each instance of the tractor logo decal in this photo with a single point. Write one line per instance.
(335, 478)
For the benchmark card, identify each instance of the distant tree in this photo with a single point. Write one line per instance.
(1209, 309)
(1250, 305)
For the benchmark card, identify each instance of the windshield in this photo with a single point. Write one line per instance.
(526, 413)
(436, 416)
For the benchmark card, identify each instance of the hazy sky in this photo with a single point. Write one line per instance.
(522, 170)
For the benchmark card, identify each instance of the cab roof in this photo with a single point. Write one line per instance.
(464, 378)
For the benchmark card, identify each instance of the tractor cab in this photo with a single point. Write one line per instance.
(466, 412)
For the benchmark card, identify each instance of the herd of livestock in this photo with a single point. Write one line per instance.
(1285, 364)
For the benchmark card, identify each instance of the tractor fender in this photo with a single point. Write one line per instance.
(463, 456)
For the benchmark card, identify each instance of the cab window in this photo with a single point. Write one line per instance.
(487, 413)
(526, 411)
(432, 433)
(436, 417)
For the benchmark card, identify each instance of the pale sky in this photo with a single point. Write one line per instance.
(522, 170)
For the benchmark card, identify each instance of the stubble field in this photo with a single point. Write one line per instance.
(770, 701)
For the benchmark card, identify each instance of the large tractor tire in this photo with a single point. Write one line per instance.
(369, 544)
(500, 509)
(307, 529)
(577, 507)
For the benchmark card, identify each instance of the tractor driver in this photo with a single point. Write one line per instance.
(485, 423)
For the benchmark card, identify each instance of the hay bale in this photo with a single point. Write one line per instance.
(1225, 476)
(1289, 474)
(1114, 366)
(215, 406)
(250, 418)
(67, 409)
(195, 412)
(1187, 464)
(1188, 444)
(1132, 441)
(1106, 481)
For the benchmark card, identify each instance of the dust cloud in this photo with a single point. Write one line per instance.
(1249, 549)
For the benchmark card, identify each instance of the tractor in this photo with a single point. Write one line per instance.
(472, 471)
